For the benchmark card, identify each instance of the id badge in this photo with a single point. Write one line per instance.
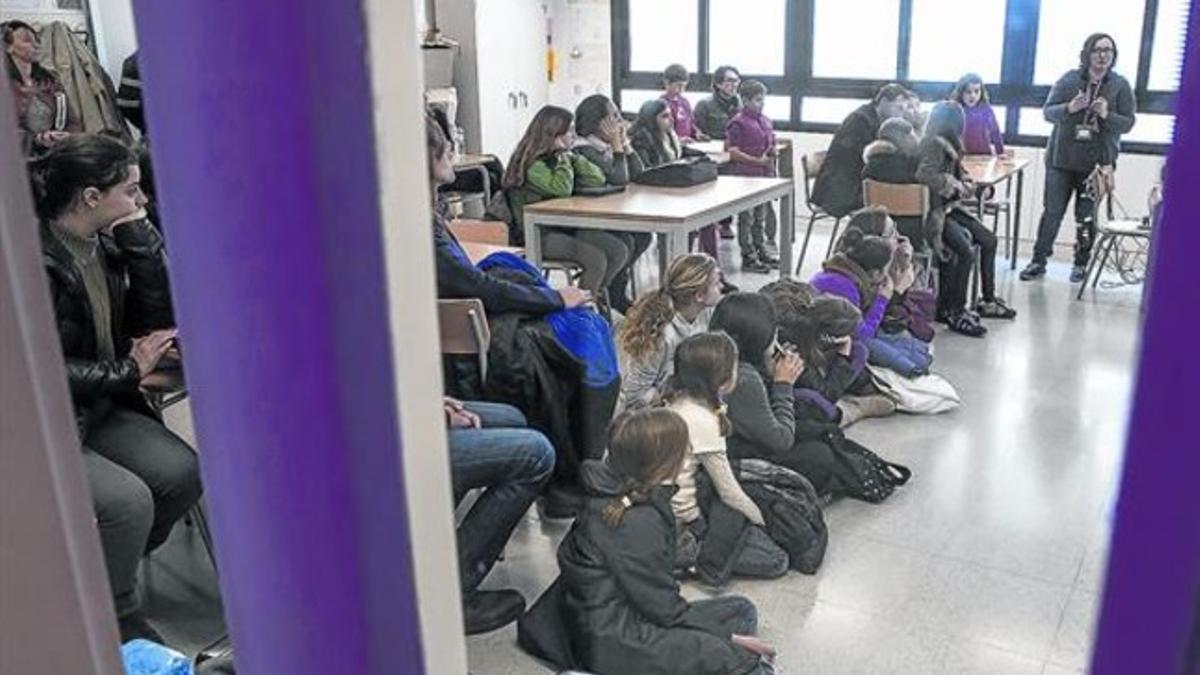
(1083, 134)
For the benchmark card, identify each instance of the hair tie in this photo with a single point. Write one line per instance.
(626, 502)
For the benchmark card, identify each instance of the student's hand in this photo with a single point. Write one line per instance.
(574, 297)
(1078, 103)
(755, 645)
(148, 350)
(461, 419)
(787, 367)
(611, 131)
(1100, 107)
(887, 287)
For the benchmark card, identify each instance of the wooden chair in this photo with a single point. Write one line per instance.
(463, 327)
(907, 200)
(496, 232)
(810, 165)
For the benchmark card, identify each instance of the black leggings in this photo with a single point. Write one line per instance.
(960, 234)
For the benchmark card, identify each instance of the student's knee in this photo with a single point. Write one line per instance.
(540, 457)
(180, 472)
(125, 511)
(746, 614)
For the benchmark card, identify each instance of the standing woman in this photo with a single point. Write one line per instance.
(43, 115)
(1090, 107)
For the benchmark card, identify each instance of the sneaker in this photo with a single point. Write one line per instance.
(967, 325)
(1034, 270)
(769, 249)
(995, 309)
(856, 408)
(135, 626)
(1078, 274)
(485, 611)
(751, 264)
(767, 258)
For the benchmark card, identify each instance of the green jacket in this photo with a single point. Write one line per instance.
(552, 176)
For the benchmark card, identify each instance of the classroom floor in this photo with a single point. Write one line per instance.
(989, 561)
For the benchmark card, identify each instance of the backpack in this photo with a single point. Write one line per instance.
(792, 511)
(680, 173)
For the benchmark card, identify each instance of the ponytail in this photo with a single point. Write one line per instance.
(645, 448)
(642, 329)
(632, 493)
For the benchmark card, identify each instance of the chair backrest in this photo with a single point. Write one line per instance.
(480, 231)
(907, 199)
(464, 329)
(810, 164)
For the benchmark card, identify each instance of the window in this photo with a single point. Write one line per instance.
(632, 99)
(749, 40)
(1166, 58)
(778, 108)
(944, 46)
(662, 32)
(1033, 123)
(1151, 128)
(828, 110)
(1063, 25)
(844, 45)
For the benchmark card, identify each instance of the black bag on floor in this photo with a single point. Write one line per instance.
(792, 511)
(862, 474)
(680, 173)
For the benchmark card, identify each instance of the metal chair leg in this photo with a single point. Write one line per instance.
(833, 237)
(812, 219)
(1094, 266)
(1113, 240)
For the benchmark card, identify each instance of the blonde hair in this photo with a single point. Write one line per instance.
(642, 330)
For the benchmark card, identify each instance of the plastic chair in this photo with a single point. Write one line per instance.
(810, 165)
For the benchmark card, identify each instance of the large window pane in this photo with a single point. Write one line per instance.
(662, 32)
(828, 110)
(1151, 128)
(944, 47)
(1033, 123)
(778, 108)
(856, 39)
(749, 40)
(1063, 25)
(1166, 59)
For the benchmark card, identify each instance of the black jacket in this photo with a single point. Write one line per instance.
(714, 112)
(838, 186)
(458, 278)
(615, 608)
(1063, 151)
(141, 302)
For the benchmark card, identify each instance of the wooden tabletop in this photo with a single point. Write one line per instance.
(464, 161)
(676, 205)
(989, 169)
(477, 251)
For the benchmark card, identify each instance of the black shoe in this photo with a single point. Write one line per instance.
(135, 626)
(767, 259)
(965, 324)
(1034, 270)
(1078, 274)
(995, 309)
(751, 264)
(561, 502)
(485, 611)
(727, 288)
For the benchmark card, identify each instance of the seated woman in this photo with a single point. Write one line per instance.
(659, 321)
(544, 166)
(953, 231)
(491, 447)
(43, 115)
(616, 608)
(531, 369)
(112, 304)
(603, 140)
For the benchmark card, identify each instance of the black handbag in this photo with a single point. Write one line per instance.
(862, 474)
(680, 173)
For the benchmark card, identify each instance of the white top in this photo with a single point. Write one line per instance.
(707, 448)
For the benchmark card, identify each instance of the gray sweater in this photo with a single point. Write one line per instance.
(763, 416)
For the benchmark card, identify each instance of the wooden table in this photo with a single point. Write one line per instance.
(477, 251)
(671, 213)
(990, 170)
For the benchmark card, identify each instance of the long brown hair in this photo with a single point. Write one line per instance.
(645, 448)
(960, 88)
(704, 363)
(643, 327)
(548, 124)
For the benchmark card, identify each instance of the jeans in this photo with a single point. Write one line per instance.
(600, 254)
(1060, 185)
(960, 233)
(734, 614)
(900, 352)
(513, 463)
(143, 478)
(708, 240)
(756, 227)
(618, 289)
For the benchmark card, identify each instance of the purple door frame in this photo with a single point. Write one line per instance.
(264, 145)
(1151, 612)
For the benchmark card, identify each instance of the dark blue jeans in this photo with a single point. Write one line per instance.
(1060, 185)
(512, 463)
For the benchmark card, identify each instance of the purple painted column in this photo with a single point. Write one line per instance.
(265, 154)
(1151, 616)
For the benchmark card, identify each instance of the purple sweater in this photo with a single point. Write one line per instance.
(982, 132)
(836, 283)
(681, 112)
(751, 133)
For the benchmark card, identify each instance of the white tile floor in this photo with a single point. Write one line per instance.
(991, 560)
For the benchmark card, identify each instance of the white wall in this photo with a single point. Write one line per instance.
(582, 40)
(115, 34)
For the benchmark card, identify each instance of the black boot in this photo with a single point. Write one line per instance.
(135, 626)
(485, 611)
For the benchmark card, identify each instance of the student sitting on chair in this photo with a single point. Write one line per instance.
(892, 158)
(112, 303)
(602, 138)
(492, 447)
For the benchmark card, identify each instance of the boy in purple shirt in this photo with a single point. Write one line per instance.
(675, 79)
(750, 140)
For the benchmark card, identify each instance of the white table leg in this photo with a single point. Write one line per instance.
(787, 234)
(533, 242)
